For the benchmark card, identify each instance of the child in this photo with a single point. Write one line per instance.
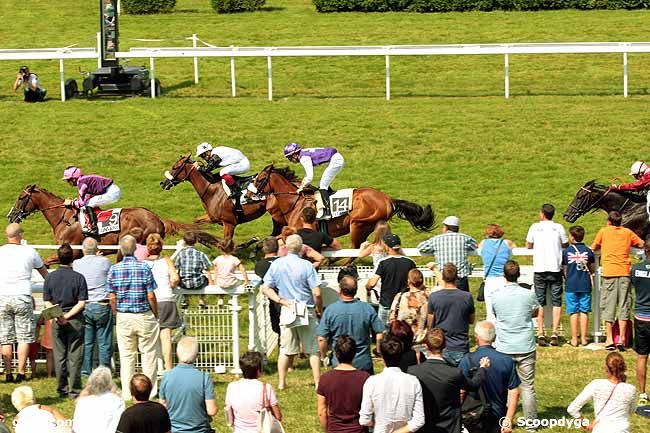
(224, 269)
(579, 266)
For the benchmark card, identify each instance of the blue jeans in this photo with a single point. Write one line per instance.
(452, 357)
(99, 328)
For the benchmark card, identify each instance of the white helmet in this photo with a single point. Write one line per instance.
(202, 148)
(639, 167)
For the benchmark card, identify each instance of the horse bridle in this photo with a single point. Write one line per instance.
(173, 176)
(22, 203)
(581, 212)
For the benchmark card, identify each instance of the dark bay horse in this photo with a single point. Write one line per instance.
(218, 205)
(592, 196)
(368, 206)
(67, 229)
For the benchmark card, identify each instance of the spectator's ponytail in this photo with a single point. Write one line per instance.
(616, 366)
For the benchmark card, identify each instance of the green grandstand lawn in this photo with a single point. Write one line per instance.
(448, 137)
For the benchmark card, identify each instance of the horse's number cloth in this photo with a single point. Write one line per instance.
(340, 203)
(108, 220)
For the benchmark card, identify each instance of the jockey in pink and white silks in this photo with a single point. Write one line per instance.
(232, 162)
(311, 157)
(94, 191)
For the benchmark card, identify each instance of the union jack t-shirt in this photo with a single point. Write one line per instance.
(577, 257)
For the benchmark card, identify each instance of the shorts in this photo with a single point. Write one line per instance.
(578, 302)
(168, 317)
(292, 338)
(642, 337)
(544, 281)
(16, 320)
(384, 315)
(615, 298)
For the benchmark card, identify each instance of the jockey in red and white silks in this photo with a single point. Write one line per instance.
(641, 172)
(232, 162)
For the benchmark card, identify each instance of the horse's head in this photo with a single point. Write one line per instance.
(179, 172)
(24, 205)
(262, 182)
(585, 200)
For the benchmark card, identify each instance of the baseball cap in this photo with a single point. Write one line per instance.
(452, 221)
(392, 241)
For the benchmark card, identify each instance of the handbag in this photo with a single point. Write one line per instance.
(481, 289)
(475, 408)
(266, 422)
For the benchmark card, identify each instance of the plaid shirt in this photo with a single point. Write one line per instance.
(450, 247)
(191, 263)
(131, 280)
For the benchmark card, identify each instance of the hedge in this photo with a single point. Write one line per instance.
(234, 6)
(472, 5)
(140, 7)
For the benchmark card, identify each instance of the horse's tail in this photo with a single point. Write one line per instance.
(172, 227)
(421, 218)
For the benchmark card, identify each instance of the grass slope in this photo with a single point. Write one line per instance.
(447, 138)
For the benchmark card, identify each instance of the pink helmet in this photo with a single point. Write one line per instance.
(72, 172)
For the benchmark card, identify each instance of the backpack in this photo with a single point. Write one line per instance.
(474, 410)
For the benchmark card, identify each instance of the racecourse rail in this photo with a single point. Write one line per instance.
(260, 336)
(195, 52)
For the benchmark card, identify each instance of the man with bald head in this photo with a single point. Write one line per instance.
(144, 416)
(16, 307)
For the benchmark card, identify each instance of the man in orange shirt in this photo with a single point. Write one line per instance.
(615, 242)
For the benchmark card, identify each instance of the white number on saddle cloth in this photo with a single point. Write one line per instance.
(109, 221)
(341, 202)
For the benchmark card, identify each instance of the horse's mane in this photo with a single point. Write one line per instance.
(39, 188)
(632, 195)
(287, 173)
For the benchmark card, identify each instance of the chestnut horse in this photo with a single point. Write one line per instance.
(214, 199)
(368, 206)
(67, 229)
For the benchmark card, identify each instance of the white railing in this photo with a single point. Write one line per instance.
(386, 51)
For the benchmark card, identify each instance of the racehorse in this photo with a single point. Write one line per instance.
(593, 196)
(67, 229)
(219, 206)
(368, 206)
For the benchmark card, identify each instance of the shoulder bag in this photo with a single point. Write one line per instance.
(481, 290)
(266, 422)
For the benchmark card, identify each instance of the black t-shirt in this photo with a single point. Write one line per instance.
(315, 239)
(147, 417)
(394, 271)
(65, 287)
(262, 266)
(641, 281)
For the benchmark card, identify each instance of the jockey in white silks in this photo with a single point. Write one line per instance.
(232, 162)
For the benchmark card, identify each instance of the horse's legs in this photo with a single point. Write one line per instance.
(277, 228)
(51, 260)
(228, 231)
(359, 232)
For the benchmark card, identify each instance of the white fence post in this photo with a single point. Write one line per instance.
(152, 68)
(252, 320)
(625, 75)
(387, 75)
(507, 75)
(234, 308)
(62, 76)
(196, 60)
(233, 80)
(99, 49)
(269, 68)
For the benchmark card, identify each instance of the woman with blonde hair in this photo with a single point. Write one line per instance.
(376, 246)
(99, 406)
(166, 277)
(411, 306)
(495, 252)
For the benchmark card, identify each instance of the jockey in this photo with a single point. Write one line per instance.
(641, 173)
(311, 157)
(94, 191)
(231, 161)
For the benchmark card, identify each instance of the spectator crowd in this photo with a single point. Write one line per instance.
(430, 380)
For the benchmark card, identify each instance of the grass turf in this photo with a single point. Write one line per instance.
(447, 138)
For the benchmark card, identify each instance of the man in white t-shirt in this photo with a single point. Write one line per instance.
(16, 307)
(547, 239)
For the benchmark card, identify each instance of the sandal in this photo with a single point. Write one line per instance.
(610, 347)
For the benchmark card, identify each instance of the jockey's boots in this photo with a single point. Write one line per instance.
(325, 196)
(91, 219)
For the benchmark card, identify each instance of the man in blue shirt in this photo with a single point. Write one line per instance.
(187, 392)
(500, 384)
(300, 297)
(514, 308)
(579, 265)
(350, 316)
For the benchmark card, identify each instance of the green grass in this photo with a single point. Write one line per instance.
(448, 137)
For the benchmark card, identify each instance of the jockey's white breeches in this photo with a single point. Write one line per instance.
(237, 168)
(111, 195)
(336, 164)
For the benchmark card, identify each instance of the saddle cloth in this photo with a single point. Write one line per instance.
(340, 203)
(108, 221)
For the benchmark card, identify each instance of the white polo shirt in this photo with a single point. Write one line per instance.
(16, 264)
(547, 238)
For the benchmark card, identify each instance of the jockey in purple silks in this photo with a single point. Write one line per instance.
(94, 191)
(311, 157)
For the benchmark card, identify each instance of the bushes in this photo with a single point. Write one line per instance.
(233, 6)
(140, 7)
(472, 5)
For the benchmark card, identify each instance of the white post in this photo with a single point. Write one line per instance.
(233, 82)
(119, 7)
(234, 308)
(507, 76)
(152, 71)
(625, 75)
(596, 309)
(269, 67)
(99, 49)
(62, 75)
(196, 60)
(387, 77)
(252, 320)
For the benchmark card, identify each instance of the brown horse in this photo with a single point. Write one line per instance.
(214, 199)
(368, 206)
(67, 229)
